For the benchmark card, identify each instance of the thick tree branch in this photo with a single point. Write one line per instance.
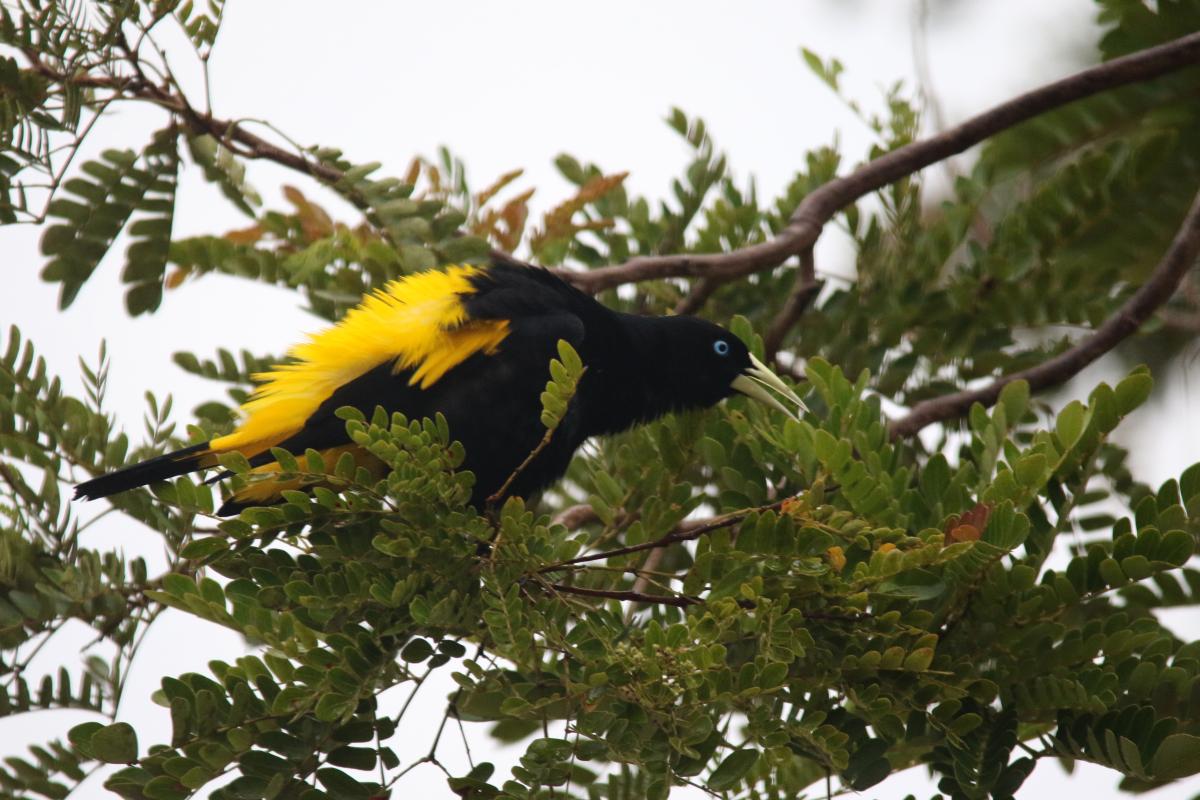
(573, 517)
(1157, 290)
(820, 205)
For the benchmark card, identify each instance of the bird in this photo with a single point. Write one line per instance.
(473, 343)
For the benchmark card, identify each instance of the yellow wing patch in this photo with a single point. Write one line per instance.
(418, 322)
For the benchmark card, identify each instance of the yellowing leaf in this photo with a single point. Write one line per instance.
(837, 558)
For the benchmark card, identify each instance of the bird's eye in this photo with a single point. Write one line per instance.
(721, 347)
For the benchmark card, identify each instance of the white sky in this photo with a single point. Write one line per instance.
(506, 86)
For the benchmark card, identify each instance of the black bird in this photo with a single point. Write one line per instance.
(474, 343)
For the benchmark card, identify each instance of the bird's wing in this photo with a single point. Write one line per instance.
(418, 324)
(489, 399)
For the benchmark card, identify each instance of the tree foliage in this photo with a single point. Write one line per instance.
(728, 599)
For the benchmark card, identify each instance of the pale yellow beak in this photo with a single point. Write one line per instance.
(759, 381)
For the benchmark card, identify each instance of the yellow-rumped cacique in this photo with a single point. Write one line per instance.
(474, 344)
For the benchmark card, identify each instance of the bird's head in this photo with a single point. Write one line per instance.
(698, 363)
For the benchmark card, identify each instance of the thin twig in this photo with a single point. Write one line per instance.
(680, 601)
(645, 574)
(498, 495)
(682, 533)
(920, 58)
(200, 122)
(684, 601)
(697, 296)
(1157, 290)
(803, 293)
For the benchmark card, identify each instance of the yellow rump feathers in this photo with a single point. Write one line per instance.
(417, 322)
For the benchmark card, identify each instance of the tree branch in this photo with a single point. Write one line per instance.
(685, 600)
(697, 296)
(575, 516)
(821, 204)
(810, 216)
(684, 532)
(1157, 290)
(803, 293)
(643, 580)
(198, 122)
(680, 601)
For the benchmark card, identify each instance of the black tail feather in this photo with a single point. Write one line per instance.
(165, 466)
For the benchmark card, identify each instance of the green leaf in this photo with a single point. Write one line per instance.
(772, 675)
(451, 648)
(732, 769)
(81, 736)
(202, 548)
(1177, 757)
(1175, 548)
(1133, 391)
(115, 744)
(353, 757)
(340, 785)
(221, 168)
(416, 651)
(1070, 424)
(916, 584)
(1015, 399)
(1031, 470)
(919, 660)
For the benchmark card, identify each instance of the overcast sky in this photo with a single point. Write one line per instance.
(509, 85)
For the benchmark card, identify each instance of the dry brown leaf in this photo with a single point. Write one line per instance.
(967, 527)
(557, 223)
(963, 533)
(434, 176)
(497, 185)
(793, 506)
(413, 173)
(176, 277)
(315, 221)
(515, 214)
(505, 226)
(249, 235)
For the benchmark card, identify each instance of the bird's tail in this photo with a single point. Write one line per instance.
(170, 465)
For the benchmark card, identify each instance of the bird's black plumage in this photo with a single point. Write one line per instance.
(638, 368)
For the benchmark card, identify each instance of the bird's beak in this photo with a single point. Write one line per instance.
(759, 381)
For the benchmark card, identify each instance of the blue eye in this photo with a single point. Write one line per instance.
(721, 347)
